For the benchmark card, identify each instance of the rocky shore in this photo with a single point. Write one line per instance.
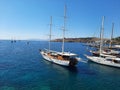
(88, 39)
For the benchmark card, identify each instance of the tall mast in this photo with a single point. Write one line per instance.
(50, 32)
(64, 28)
(112, 35)
(101, 35)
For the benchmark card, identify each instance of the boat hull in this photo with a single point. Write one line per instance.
(103, 61)
(56, 61)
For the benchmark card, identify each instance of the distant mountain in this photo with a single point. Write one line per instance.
(88, 39)
(116, 40)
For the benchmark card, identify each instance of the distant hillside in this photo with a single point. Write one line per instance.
(88, 39)
(116, 40)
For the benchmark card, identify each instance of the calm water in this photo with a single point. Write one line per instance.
(22, 68)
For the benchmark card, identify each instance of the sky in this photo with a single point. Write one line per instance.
(30, 19)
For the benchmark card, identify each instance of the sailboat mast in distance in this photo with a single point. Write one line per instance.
(64, 28)
(101, 35)
(50, 32)
(111, 35)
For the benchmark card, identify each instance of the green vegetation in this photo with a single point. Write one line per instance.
(116, 40)
(88, 39)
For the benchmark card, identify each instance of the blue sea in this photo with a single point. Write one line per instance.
(23, 68)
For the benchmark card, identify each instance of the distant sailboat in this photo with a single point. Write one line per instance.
(108, 50)
(13, 40)
(61, 58)
(104, 59)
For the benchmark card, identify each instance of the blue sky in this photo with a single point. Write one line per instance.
(29, 19)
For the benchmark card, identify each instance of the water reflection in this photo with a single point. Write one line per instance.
(60, 68)
(104, 69)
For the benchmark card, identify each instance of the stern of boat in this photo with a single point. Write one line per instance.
(73, 62)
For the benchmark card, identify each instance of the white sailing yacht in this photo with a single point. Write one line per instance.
(103, 59)
(108, 50)
(61, 58)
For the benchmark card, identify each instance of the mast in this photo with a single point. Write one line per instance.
(101, 35)
(50, 32)
(111, 35)
(64, 28)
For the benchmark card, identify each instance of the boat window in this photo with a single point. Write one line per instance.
(103, 56)
(116, 61)
(66, 57)
(109, 59)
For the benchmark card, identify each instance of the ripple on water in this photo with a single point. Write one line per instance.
(7, 88)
